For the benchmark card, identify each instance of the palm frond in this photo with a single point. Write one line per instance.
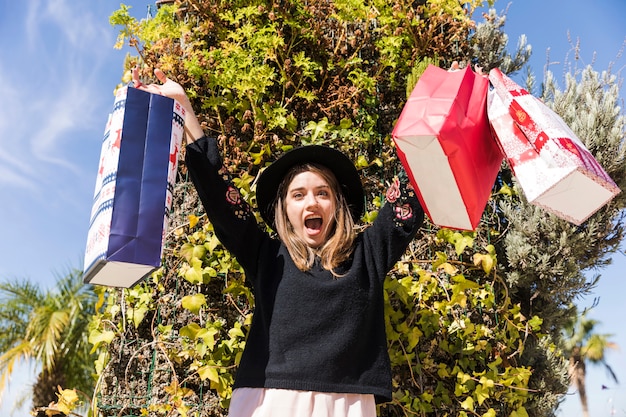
(10, 359)
(47, 326)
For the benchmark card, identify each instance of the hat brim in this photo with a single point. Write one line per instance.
(341, 166)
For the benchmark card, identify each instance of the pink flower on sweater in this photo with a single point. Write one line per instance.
(393, 192)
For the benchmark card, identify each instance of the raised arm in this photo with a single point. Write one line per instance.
(172, 89)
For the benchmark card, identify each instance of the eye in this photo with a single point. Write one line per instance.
(297, 195)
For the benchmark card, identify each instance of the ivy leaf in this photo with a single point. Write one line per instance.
(193, 221)
(165, 330)
(414, 335)
(190, 330)
(490, 413)
(97, 337)
(535, 323)
(209, 372)
(208, 336)
(194, 274)
(426, 396)
(448, 268)
(259, 156)
(212, 243)
(463, 377)
(361, 162)
(468, 403)
(459, 240)
(506, 190)
(236, 331)
(192, 252)
(485, 261)
(199, 251)
(520, 412)
(101, 362)
(481, 393)
(462, 242)
(370, 216)
(194, 302)
(292, 123)
(441, 259)
(186, 251)
(443, 371)
(318, 130)
(68, 399)
(137, 314)
(345, 123)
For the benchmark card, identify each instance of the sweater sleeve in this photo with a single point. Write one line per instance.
(232, 219)
(397, 223)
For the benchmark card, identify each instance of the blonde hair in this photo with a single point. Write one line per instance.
(339, 244)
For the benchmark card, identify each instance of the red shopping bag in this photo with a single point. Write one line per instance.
(445, 144)
(134, 184)
(551, 164)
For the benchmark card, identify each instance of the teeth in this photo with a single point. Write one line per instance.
(313, 222)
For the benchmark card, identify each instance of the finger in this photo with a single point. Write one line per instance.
(135, 77)
(152, 88)
(160, 75)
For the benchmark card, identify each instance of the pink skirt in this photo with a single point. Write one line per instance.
(270, 402)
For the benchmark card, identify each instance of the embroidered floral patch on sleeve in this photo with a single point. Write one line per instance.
(403, 212)
(241, 209)
(393, 192)
(398, 193)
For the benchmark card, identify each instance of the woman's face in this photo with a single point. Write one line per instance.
(310, 206)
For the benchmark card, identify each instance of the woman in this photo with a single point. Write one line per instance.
(317, 343)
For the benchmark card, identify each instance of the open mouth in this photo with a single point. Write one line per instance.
(313, 223)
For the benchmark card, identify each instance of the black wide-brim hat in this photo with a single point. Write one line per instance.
(340, 165)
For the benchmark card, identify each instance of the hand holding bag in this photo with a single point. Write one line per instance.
(445, 144)
(133, 193)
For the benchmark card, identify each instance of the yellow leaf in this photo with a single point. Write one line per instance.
(209, 372)
(194, 302)
(490, 413)
(520, 412)
(485, 261)
(68, 399)
(462, 242)
(190, 330)
(468, 403)
(212, 243)
(208, 336)
(481, 394)
(236, 331)
(193, 221)
(101, 362)
(198, 251)
(97, 337)
(137, 314)
(414, 337)
(463, 377)
(52, 410)
(448, 268)
(194, 274)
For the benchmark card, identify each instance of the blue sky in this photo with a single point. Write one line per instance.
(58, 69)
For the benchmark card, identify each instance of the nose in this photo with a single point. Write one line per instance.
(311, 200)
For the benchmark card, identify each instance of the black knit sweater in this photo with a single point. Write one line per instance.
(310, 331)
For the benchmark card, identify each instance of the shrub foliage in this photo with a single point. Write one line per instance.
(473, 318)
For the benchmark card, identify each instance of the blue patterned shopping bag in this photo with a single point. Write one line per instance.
(133, 193)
